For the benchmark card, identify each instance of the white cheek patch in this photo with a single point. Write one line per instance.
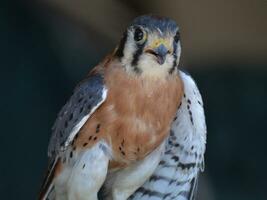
(150, 67)
(128, 52)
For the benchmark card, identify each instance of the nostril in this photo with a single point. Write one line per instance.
(152, 52)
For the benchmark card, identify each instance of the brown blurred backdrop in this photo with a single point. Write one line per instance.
(212, 30)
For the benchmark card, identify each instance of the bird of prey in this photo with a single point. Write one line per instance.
(134, 128)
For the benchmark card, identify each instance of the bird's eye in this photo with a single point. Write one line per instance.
(138, 34)
(177, 37)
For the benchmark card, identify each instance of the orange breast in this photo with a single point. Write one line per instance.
(136, 116)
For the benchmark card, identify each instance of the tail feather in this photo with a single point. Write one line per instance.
(47, 188)
(193, 189)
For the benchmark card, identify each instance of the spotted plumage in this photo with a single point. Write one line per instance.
(177, 173)
(121, 123)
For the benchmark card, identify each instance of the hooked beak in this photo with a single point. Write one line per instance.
(160, 52)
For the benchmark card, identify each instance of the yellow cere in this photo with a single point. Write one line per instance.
(157, 42)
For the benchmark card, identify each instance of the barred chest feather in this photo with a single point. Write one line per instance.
(136, 116)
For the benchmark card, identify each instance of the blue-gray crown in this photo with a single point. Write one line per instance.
(153, 22)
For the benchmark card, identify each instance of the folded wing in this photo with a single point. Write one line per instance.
(86, 98)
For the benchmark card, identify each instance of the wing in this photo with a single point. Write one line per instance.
(177, 174)
(86, 98)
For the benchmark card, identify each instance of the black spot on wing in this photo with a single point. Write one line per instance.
(155, 178)
(186, 165)
(180, 105)
(85, 144)
(71, 154)
(97, 128)
(85, 97)
(175, 158)
(189, 111)
(152, 193)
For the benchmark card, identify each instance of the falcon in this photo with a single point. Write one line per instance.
(134, 128)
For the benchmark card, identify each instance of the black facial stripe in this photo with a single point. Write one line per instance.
(137, 54)
(174, 56)
(120, 49)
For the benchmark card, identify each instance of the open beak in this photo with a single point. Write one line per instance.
(160, 52)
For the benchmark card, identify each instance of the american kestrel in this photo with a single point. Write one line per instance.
(134, 127)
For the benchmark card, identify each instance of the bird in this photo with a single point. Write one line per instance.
(134, 127)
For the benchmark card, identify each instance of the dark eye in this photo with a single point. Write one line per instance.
(177, 37)
(138, 34)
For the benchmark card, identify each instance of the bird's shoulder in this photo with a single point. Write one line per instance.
(87, 96)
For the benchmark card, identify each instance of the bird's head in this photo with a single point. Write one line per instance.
(150, 46)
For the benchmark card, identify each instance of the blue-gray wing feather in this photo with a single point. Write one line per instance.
(87, 96)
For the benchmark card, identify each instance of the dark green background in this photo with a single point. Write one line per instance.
(36, 81)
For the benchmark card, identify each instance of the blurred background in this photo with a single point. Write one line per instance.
(47, 46)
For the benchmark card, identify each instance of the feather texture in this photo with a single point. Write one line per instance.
(176, 176)
(86, 98)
